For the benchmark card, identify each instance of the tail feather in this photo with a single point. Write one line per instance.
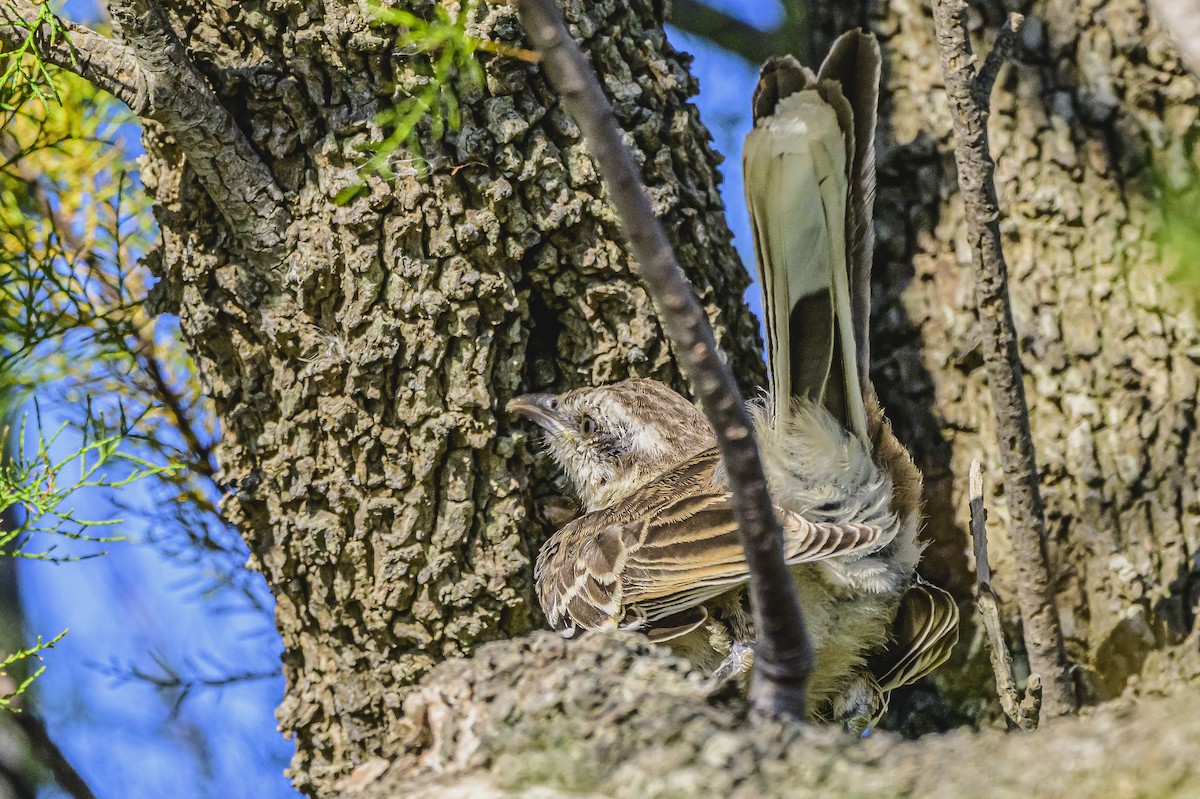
(854, 63)
(809, 188)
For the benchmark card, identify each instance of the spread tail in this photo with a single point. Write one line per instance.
(809, 167)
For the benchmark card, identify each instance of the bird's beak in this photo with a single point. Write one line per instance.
(540, 408)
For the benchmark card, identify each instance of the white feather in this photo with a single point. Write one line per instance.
(795, 169)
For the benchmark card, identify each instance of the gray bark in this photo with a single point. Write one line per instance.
(612, 717)
(359, 382)
(358, 378)
(1093, 130)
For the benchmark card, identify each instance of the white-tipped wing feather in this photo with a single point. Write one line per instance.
(660, 553)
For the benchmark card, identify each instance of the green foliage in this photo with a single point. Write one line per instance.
(38, 483)
(61, 184)
(18, 658)
(74, 330)
(438, 61)
(25, 73)
(433, 51)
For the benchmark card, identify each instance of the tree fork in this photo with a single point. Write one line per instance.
(968, 94)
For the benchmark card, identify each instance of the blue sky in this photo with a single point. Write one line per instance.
(134, 608)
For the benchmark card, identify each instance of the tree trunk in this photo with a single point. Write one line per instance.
(1093, 130)
(359, 375)
(360, 383)
(537, 717)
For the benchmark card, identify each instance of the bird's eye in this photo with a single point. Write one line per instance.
(587, 425)
(552, 403)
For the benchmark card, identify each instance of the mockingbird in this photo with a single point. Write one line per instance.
(657, 549)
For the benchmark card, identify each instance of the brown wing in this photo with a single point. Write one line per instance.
(653, 556)
(926, 630)
(578, 570)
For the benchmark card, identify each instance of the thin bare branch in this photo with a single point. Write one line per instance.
(175, 94)
(52, 757)
(730, 33)
(1021, 712)
(998, 57)
(105, 62)
(1035, 595)
(783, 656)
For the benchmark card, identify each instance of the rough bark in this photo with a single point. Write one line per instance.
(359, 384)
(1093, 130)
(969, 103)
(612, 717)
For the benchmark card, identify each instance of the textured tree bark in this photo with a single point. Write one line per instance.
(537, 718)
(1093, 130)
(358, 378)
(360, 382)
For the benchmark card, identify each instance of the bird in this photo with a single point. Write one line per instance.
(656, 548)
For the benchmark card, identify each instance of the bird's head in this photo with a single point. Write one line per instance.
(611, 440)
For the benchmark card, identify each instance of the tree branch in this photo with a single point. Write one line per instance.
(1043, 633)
(783, 656)
(1001, 50)
(1023, 714)
(534, 717)
(49, 754)
(175, 94)
(105, 62)
(152, 74)
(730, 33)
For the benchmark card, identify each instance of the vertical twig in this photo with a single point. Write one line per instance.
(969, 107)
(783, 656)
(1022, 713)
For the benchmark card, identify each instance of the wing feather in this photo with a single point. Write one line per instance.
(614, 568)
(926, 630)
